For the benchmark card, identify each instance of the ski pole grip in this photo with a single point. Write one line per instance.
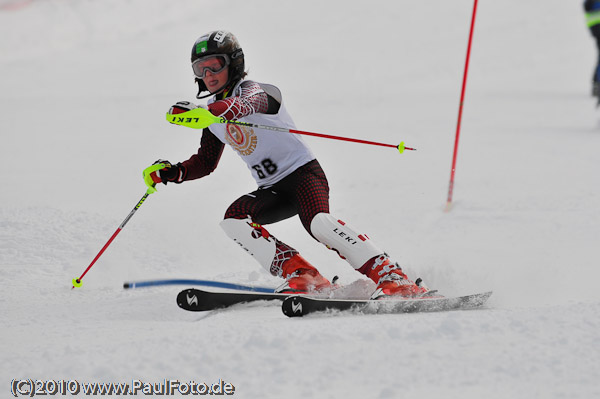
(148, 179)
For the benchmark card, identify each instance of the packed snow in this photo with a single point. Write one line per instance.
(84, 87)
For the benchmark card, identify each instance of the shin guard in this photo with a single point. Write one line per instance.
(256, 240)
(355, 248)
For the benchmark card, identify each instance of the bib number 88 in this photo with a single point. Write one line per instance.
(265, 168)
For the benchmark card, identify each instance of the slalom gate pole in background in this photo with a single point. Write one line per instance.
(460, 109)
(200, 118)
(77, 281)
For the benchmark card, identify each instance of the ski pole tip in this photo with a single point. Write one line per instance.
(76, 283)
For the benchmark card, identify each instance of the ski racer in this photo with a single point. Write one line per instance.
(290, 180)
(592, 15)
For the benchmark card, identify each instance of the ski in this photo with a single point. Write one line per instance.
(296, 305)
(196, 300)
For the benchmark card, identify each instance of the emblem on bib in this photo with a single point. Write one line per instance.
(241, 138)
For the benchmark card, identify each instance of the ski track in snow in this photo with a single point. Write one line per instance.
(84, 87)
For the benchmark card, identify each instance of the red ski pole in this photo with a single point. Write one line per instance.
(400, 147)
(77, 281)
(460, 109)
(200, 118)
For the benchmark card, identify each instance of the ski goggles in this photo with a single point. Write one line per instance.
(213, 63)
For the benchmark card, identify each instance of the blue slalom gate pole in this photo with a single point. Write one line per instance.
(205, 283)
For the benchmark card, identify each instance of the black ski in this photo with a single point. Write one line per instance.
(296, 305)
(197, 300)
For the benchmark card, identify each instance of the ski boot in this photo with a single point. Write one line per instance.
(391, 280)
(301, 277)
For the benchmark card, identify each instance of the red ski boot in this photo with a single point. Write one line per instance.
(390, 279)
(301, 277)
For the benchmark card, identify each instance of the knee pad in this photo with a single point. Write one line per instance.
(257, 242)
(356, 248)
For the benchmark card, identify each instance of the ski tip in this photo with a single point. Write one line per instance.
(126, 285)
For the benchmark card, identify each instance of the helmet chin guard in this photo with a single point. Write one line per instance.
(201, 88)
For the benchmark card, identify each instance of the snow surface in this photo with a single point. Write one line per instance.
(84, 86)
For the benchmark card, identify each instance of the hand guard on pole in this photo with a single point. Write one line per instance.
(163, 171)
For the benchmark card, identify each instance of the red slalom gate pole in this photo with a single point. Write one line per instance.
(460, 110)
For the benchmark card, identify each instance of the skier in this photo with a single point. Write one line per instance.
(290, 179)
(592, 15)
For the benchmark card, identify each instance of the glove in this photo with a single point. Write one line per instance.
(170, 173)
(183, 106)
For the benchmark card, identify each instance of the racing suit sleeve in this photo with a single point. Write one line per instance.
(205, 161)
